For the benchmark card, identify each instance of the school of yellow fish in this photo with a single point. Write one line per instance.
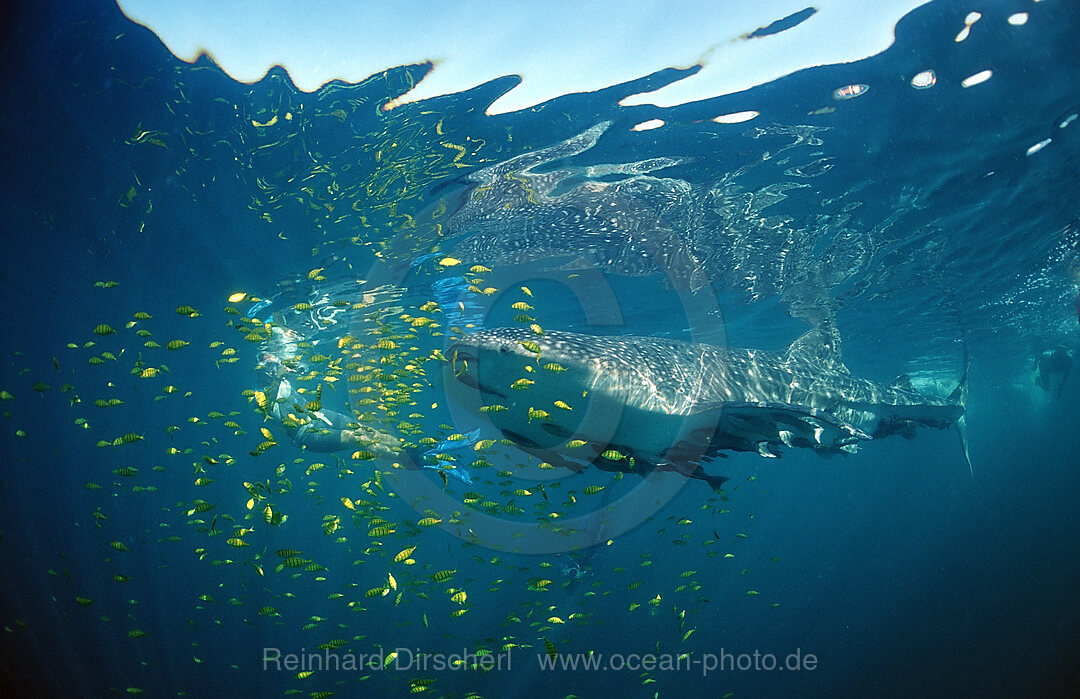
(248, 489)
(227, 488)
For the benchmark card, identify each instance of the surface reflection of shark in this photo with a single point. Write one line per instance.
(638, 403)
(614, 216)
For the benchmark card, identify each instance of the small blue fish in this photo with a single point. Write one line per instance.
(449, 446)
(457, 472)
(452, 445)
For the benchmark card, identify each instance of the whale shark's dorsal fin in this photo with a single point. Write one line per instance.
(903, 382)
(819, 346)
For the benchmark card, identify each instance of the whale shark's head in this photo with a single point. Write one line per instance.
(510, 349)
(537, 389)
(495, 361)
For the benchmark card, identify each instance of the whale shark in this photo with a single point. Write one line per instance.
(630, 403)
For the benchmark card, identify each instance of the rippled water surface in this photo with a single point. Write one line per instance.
(170, 233)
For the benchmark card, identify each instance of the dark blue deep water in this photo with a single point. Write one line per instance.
(915, 222)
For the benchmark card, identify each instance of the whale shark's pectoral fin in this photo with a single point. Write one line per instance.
(533, 449)
(693, 470)
(556, 460)
(715, 482)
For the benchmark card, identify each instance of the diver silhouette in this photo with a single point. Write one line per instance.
(1052, 369)
(325, 430)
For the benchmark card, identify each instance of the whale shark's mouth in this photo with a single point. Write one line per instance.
(462, 357)
(472, 382)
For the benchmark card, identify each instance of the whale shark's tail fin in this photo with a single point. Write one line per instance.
(959, 397)
(961, 429)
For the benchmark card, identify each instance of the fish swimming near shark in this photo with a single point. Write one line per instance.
(626, 403)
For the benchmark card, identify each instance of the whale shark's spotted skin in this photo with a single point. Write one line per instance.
(525, 210)
(675, 403)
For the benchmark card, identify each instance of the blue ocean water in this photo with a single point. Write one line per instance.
(919, 221)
